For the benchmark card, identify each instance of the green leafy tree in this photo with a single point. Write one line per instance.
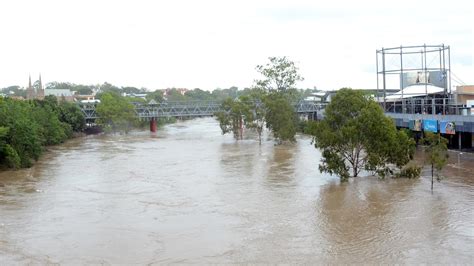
(257, 111)
(12, 158)
(199, 95)
(387, 146)
(131, 90)
(51, 130)
(71, 114)
(116, 112)
(14, 90)
(59, 85)
(157, 96)
(355, 135)
(175, 96)
(437, 154)
(280, 117)
(231, 119)
(83, 89)
(27, 126)
(3, 135)
(107, 88)
(24, 135)
(281, 74)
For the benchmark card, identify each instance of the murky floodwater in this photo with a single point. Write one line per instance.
(191, 195)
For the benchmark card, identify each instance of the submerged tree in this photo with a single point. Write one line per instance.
(269, 103)
(231, 119)
(280, 77)
(255, 118)
(355, 135)
(437, 152)
(280, 117)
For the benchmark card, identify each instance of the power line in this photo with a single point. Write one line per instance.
(457, 79)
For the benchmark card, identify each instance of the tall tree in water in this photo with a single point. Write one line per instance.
(254, 101)
(280, 76)
(280, 117)
(437, 154)
(355, 135)
(231, 119)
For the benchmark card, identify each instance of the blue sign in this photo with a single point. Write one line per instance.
(447, 128)
(430, 125)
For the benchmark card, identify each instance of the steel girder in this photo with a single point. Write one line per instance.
(186, 109)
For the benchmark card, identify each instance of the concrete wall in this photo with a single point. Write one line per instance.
(464, 93)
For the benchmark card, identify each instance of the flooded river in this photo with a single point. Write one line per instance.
(190, 195)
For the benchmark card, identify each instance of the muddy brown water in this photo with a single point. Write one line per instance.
(190, 195)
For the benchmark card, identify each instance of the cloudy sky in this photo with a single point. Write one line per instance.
(210, 44)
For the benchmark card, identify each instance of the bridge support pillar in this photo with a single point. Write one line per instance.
(153, 124)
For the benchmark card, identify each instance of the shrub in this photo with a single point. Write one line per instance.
(411, 171)
(11, 157)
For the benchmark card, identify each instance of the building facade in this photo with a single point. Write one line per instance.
(37, 91)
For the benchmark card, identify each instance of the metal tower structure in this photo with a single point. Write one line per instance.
(399, 67)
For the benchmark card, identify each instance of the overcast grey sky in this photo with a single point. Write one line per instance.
(209, 44)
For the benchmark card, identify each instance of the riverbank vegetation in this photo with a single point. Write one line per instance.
(27, 127)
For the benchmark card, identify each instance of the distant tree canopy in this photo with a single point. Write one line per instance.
(116, 112)
(157, 96)
(355, 135)
(172, 94)
(199, 95)
(27, 126)
(130, 90)
(14, 90)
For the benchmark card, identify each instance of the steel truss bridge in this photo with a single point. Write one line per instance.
(146, 111)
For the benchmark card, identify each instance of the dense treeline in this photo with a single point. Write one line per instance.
(26, 127)
(171, 94)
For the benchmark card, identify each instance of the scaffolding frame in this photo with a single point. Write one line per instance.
(403, 54)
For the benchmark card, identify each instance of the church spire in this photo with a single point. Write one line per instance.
(40, 91)
(30, 93)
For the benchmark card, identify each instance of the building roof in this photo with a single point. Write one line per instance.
(415, 91)
(58, 92)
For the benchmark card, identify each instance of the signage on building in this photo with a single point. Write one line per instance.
(415, 125)
(437, 78)
(447, 128)
(430, 125)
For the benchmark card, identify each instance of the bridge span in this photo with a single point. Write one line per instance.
(150, 112)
